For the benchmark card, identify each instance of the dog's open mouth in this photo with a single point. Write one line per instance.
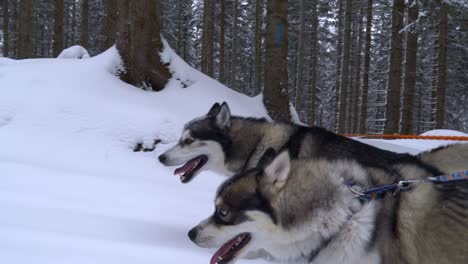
(229, 250)
(187, 171)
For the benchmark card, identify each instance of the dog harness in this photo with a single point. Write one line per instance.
(378, 192)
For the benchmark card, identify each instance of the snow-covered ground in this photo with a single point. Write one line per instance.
(73, 191)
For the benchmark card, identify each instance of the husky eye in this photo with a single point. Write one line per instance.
(188, 141)
(223, 212)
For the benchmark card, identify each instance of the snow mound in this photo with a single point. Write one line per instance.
(74, 52)
(444, 132)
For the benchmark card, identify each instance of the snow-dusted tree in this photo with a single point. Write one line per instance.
(365, 77)
(339, 52)
(275, 95)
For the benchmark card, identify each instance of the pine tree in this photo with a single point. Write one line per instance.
(139, 42)
(276, 99)
(6, 29)
(208, 37)
(392, 113)
(344, 75)
(85, 24)
(410, 69)
(441, 65)
(313, 63)
(58, 27)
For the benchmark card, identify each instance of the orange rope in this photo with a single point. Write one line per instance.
(396, 136)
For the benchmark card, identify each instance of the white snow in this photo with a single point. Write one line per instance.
(74, 52)
(72, 189)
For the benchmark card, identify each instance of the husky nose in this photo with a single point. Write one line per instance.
(192, 234)
(162, 158)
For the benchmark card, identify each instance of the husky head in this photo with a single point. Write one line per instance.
(202, 146)
(288, 209)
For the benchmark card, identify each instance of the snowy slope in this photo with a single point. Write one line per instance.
(72, 189)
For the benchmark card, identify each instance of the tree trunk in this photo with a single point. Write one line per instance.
(73, 25)
(139, 44)
(258, 47)
(222, 37)
(208, 38)
(275, 98)
(357, 87)
(313, 62)
(6, 30)
(441, 65)
(110, 24)
(344, 75)
(84, 24)
(58, 28)
(410, 70)
(392, 111)
(232, 67)
(365, 77)
(339, 50)
(300, 62)
(25, 48)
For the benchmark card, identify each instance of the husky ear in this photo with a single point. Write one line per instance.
(277, 172)
(223, 117)
(214, 110)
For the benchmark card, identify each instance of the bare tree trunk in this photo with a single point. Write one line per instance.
(73, 25)
(410, 70)
(180, 26)
(392, 111)
(258, 47)
(58, 28)
(110, 24)
(344, 75)
(6, 30)
(25, 47)
(441, 65)
(208, 38)
(339, 50)
(139, 43)
(300, 62)
(232, 67)
(14, 51)
(356, 109)
(276, 99)
(84, 24)
(365, 77)
(313, 62)
(222, 36)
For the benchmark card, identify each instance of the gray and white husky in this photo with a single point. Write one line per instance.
(303, 211)
(229, 144)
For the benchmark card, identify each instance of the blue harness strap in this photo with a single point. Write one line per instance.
(456, 176)
(379, 192)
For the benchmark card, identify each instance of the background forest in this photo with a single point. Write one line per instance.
(351, 66)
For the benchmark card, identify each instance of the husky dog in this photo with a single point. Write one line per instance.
(229, 144)
(303, 211)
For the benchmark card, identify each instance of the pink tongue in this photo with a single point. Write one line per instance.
(186, 167)
(222, 252)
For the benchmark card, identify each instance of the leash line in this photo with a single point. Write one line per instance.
(379, 192)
